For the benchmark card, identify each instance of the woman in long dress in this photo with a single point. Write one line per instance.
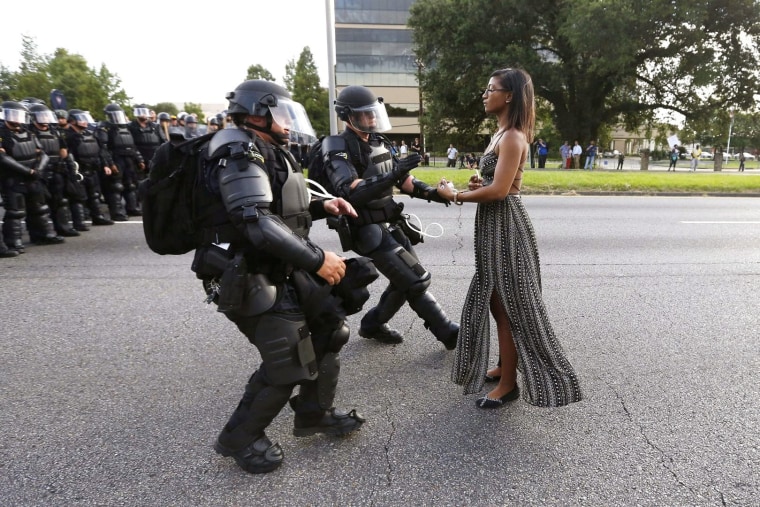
(507, 277)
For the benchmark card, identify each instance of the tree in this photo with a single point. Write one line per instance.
(166, 107)
(302, 80)
(83, 87)
(194, 108)
(259, 72)
(596, 63)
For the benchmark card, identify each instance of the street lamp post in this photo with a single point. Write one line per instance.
(730, 128)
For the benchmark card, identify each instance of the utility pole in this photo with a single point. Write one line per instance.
(420, 66)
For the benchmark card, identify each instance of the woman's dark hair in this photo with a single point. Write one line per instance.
(522, 113)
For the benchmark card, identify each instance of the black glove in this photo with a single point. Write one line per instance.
(403, 165)
(422, 190)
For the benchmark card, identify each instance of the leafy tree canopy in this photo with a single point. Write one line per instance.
(84, 87)
(596, 63)
(259, 72)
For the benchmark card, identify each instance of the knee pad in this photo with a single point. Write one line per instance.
(401, 268)
(338, 338)
(286, 349)
(419, 287)
(117, 187)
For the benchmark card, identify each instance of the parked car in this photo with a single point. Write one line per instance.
(707, 155)
(748, 156)
(727, 156)
(611, 154)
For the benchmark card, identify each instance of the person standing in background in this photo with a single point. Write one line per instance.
(577, 150)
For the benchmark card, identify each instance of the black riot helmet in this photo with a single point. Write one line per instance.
(259, 97)
(164, 117)
(191, 126)
(15, 114)
(115, 114)
(79, 118)
(141, 111)
(358, 106)
(61, 114)
(42, 115)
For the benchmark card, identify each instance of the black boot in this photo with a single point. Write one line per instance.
(13, 230)
(77, 217)
(436, 321)
(243, 436)
(374, 324)
(259, 457)
(332, 422)
(40, 227)
(62, 221)
(133, 209)
(116, 208)
(5, 251)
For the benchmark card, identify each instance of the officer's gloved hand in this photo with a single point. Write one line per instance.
(404, 165)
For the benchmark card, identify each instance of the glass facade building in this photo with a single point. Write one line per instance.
(373, 48)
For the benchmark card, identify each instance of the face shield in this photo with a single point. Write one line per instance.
(44, 117)
(191, 129)
(16, 116)
(83, 119)
(371, 118)
(141, 112)
(117, 117)
(292, 116)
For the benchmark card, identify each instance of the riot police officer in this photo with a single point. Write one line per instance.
(191, 126)
(127, 161)
(145, 133)
(60, 170)
(359, 167)
(22, 166)
(273, 282)
(93, 159)
(164, 123)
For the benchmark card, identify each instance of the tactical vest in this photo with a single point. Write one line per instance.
(87, 149)
(376, 161)
(120, 140)
(23, 147)
(51, 145)
(145, 136)
(291, 203)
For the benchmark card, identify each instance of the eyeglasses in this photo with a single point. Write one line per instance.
(489, 91)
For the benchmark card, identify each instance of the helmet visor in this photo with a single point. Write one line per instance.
(42, 117)
(117, 117)
(292, 115)
(371, 118)
(16, 115)
(141, 112)
(83, 119)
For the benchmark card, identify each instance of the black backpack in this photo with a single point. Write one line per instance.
(167, 196)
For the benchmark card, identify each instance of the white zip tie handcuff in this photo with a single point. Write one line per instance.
(407, 217)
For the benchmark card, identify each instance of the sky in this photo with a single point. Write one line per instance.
(175, 51)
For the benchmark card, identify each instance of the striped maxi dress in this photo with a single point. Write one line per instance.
(507, 261)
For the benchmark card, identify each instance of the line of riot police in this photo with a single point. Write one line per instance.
(58, 167)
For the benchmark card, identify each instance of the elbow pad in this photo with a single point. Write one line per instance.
(9, 162)
(269, 233)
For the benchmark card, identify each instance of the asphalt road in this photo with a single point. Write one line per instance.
(115, 377)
